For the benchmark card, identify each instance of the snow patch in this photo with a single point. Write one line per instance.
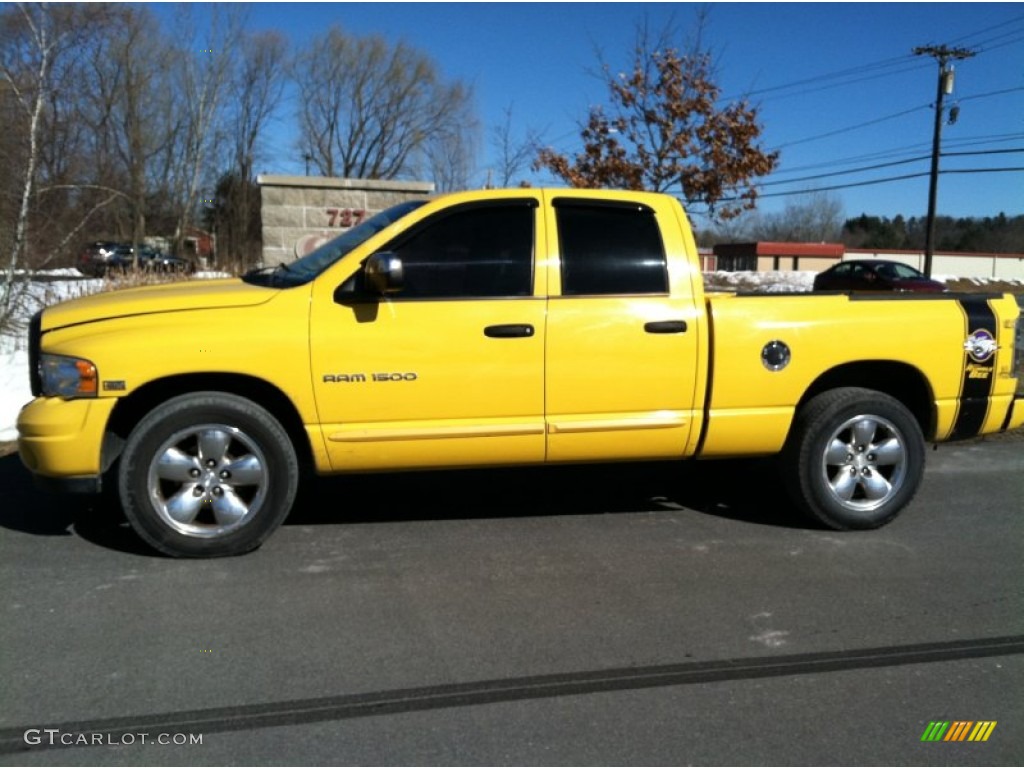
(14, 387)
(760, 282)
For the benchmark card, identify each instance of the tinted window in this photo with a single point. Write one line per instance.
(610, 249)
(474, 252)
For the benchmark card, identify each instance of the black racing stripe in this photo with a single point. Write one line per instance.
(1006, 421)
(978, 375)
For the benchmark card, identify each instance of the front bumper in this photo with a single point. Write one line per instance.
(61, 441)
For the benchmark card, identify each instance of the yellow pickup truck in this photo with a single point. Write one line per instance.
(505, 327)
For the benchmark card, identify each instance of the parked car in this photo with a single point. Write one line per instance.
(122, 258)
(164, 262)
(148, 258)
(94, 257)
(875, 275)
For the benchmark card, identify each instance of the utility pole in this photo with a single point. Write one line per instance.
(943, 55)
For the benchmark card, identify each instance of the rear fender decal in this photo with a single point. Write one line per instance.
(978, 367)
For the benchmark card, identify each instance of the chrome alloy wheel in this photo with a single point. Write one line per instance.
(865, 463)
(208, 480)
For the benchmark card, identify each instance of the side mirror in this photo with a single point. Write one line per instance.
(383, 273)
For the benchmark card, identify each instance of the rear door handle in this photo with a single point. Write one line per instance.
(666, 326)
(511, 331)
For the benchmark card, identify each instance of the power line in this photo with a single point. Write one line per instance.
(985, 152)
(831, 174)
(836, 75)
(887, 180)
(991, 93)
(982, 170)
(848, 81)
(878, 70)
(866, 78)
(1003, 26)
(892, 164)
(988, 48)
(840, 131)
(992, 138)
(942, 52)
(966, 141)
(907, 62)
(858, 126)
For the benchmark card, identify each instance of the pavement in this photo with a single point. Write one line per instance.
(647, 614)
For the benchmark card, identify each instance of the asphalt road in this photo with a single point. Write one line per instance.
(643, 614)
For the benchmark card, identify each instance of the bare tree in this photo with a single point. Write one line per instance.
(451, 151)
(28, 74)
(42, 44)
(815, 217)
(513, 155)
(367, 109)
(255, 92)
(203, 67)
(739, 229)
(132, 112)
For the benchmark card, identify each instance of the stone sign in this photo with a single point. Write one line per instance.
(301, 213)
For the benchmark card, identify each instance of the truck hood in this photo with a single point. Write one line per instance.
(172, 297)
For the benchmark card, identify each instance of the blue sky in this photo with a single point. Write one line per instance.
(539, 58)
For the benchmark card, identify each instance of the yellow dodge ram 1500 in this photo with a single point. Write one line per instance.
(498, 328)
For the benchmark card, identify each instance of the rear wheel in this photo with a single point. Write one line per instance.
(206, 475)
(855, 458)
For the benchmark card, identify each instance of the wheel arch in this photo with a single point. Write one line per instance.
(130, 410)
(855, 458)
(902, 381)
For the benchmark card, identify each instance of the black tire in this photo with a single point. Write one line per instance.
(854, 459)
(207, 474)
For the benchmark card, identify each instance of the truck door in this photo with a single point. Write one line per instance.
(447, 370)
(622, 350)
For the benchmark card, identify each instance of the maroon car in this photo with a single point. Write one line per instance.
(875, 275)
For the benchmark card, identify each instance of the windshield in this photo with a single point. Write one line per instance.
(311, 265)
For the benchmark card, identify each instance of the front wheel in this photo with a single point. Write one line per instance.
(855, 458)
(207, 474)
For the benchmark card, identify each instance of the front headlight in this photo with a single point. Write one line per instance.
(67, 376)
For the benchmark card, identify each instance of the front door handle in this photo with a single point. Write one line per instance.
(511, 331)
(666, 326)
